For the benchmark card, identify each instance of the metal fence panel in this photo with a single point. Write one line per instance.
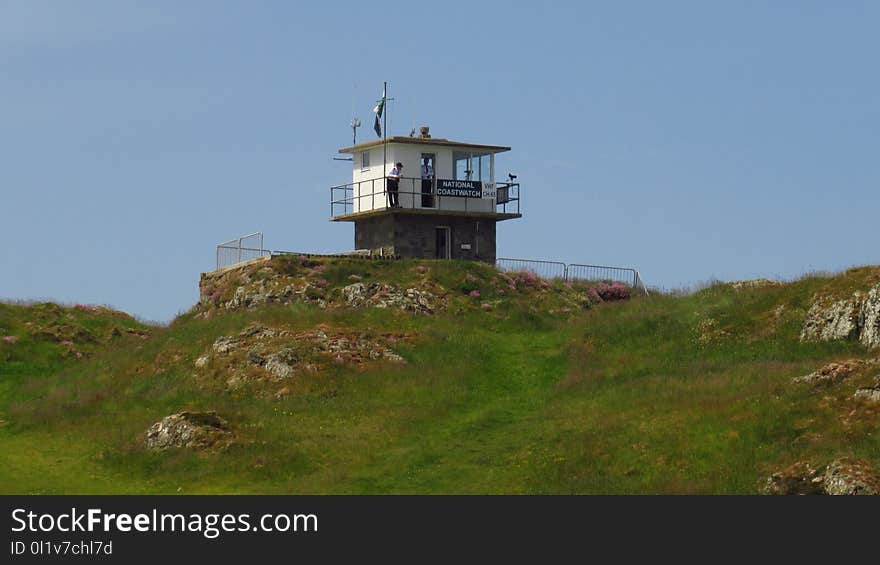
(240, 250)
(250, 247)
(641, 284)
(544, 269)
(602, 273)
(228, 256)
(574, 271)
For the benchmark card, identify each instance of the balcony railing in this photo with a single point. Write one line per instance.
(373, 195)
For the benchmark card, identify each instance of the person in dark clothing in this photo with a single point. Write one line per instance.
(394, 184)
(427, 183)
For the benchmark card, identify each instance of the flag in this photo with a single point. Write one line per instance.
(380, 107)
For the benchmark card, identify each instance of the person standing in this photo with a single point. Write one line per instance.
(394, 184)
(427, 183)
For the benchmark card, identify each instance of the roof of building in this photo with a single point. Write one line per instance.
(424, 141)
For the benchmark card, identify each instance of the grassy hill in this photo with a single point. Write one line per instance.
(432, 377)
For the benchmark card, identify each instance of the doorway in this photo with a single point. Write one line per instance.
(443, 244)
(426, 168)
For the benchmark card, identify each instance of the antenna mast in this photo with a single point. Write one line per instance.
(355, 123)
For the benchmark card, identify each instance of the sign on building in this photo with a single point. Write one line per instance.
(465, 188)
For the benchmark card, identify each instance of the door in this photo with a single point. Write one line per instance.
(443, 245)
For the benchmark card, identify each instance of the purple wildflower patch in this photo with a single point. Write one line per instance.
(612, 292)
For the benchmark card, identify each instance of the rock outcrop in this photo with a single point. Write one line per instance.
(870, 393)
(853, 318)
(280, 365)
(708, 331)
(190, 430)
(833, 321)
(349, 283)
(800, 478)
(253, 285)
(844, 477)
(836, 372)
(378, 295)
(753, 283)
(260, 353)
(840, 477)
(870, 319)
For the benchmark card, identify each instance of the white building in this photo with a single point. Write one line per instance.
(447, 210)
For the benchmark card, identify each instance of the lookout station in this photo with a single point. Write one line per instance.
(444, 205)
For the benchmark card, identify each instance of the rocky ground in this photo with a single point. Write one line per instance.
(753, 283)
(266, 354)
(854, 317)
(840, 477)
(836, 372)
(189, 430)
(272, 354)
(378, 295)
(265, 283)
(398, 285)
(344, 375)
(74, 331)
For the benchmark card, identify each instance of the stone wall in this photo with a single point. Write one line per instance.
(374, 233)
(414, 235)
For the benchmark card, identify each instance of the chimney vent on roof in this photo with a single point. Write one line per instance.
(423, 132)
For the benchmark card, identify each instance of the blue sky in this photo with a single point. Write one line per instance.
(691, 140)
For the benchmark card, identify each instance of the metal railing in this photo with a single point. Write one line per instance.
(544, 269)
(229, 253)
(239, 250)
(250, 247)
(373, 194)
(574, 271)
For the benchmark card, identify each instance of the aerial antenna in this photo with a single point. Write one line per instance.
(355, 123)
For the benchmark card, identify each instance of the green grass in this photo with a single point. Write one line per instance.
(622, 398)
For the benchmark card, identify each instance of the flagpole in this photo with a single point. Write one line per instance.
(385, 130)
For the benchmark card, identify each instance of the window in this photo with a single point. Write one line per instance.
(486, 167)
(470, 166)
(462, 169)
(365, 160)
